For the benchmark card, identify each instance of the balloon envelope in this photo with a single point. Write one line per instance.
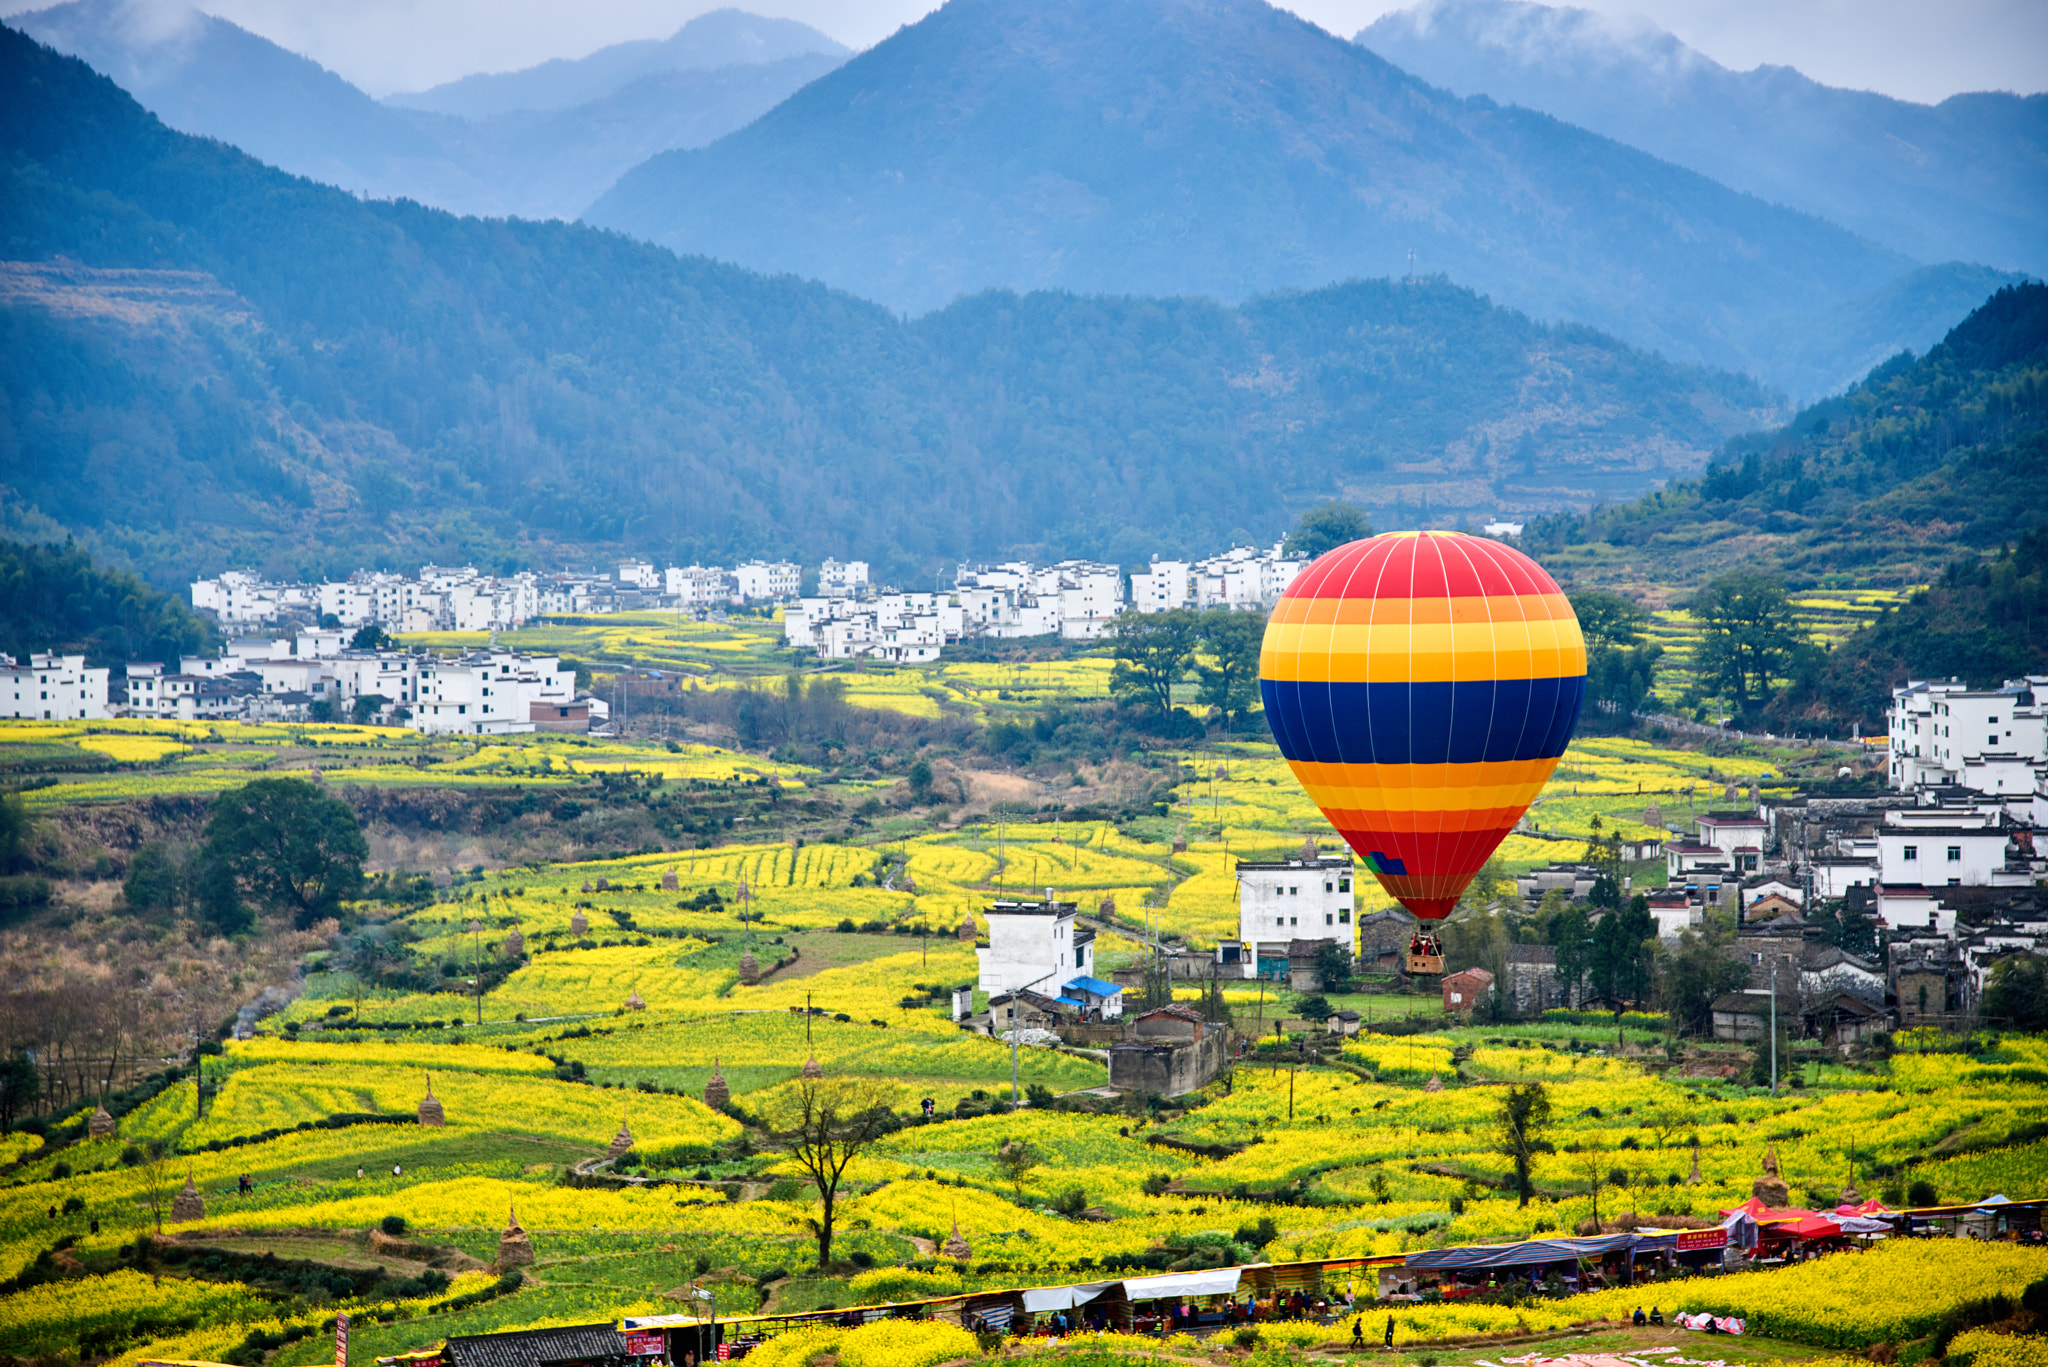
(1422, 686)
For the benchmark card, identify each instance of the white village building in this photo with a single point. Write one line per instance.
(52, 688)
(1307, 896)
(1036, 947)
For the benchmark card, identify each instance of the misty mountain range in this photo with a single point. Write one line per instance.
(1964, 180)
(1167, 148)
(205, 361)
(541, 143)
(1188, 184)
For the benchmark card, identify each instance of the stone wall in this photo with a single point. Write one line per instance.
(1168, 1069)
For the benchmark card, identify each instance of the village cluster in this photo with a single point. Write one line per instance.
(294, 651)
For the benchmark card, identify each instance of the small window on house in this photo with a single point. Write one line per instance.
(1343, 885)
(1294, 892)
(1344, 918)
(1911, 852)
(1955, 854)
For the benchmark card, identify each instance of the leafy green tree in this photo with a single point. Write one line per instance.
(1609, 619)
(1153, 652)
(921, 778)
(1571, 935)
(1523, 1115)
(287, 843)
(1232, 641)
(216, 895)
(1750, 634)
(2016, 998)
(16, 833)
(1015, 1159)
(155, 880)
(1603, 853)
(1624, 955)
(1692, 975)
(1314, 1009)
(20, 1087)
(1333, 966)
(371, 636)
(1325, 527)
(365, 707)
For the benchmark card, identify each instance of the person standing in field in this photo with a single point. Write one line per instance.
(1390, 1331)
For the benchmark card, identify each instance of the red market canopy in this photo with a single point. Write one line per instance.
(1812, 1227)
(1769, 1215)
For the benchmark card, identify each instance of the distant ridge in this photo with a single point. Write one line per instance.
(206, 76)
(1966, 179)
(204, 361)
(724, 37)
(1222, 147)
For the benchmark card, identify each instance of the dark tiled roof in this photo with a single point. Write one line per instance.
(577, 1343)
(1532, 954)
(1175, 1010)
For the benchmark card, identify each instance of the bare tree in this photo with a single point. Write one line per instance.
(157, 1180)
(825, 1124)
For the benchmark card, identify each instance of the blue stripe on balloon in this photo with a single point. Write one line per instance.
(1467, 722)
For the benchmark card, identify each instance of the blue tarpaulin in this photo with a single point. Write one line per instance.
(1095, 985)
(1522, 1254)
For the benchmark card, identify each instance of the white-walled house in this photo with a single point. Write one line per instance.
(1737, 835)
(762, 581)
(49, 687)
(1305, 897)
(843, 578)
(1167, 585)
(1037, 947)
(490, 693)
(1936, 847)
(1943, 732)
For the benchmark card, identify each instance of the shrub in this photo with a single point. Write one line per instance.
(1245, 1336)
(1922, 1193)
(393, 1225)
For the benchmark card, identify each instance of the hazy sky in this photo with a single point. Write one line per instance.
(1914, 49)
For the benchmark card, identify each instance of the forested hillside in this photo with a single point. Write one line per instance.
(205, 362)
(54, 598)
(1934, 470)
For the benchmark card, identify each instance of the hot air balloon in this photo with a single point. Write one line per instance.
(1422, 686)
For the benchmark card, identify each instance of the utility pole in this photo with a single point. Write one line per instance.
(1774, 1028)
(476, 929)
(1015, 1029)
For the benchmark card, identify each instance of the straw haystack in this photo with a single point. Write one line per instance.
(188, 1204)
(430, 1106)
(515, 1245)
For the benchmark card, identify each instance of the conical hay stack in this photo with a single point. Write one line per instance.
(621, 1142)
(188, 1204)
(101, 1126)
(515, 1246)
(430, 1106)
(716, 1093)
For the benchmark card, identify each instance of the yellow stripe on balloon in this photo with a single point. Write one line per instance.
(1492, 607)
(1359, 798)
